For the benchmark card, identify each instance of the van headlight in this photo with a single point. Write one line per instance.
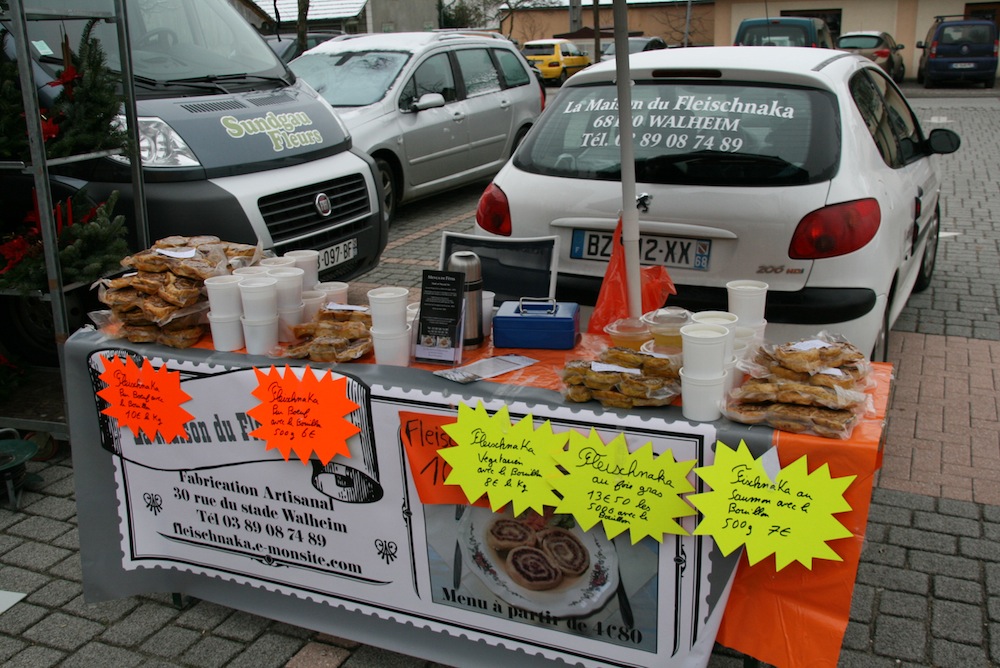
(159, 145)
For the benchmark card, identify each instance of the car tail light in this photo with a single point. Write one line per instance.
(881, 53)
(553, 63)
(996, 47)
(493, 211)
(541, 91)
(835, 230)
(933, 51)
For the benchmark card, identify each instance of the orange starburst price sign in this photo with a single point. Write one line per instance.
(304, 415)
(145, 398)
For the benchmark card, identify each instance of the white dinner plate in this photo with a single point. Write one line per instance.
(574, 597)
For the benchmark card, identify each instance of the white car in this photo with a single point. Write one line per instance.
(804, 168)
(435, 110)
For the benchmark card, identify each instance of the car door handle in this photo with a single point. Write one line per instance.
(504, 104)
(458, 116)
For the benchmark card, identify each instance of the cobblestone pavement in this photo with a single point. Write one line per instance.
(928, 588)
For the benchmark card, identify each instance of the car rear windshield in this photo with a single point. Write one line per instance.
(538, 49)
(966, 34)
(859, 42)
(775, 35)
(690, 133)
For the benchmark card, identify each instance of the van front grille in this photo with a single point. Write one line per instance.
(293, 214)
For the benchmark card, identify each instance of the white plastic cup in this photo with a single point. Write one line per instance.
(392, 348)
(254, 270)
(289, 286)
(704, 349)
(701, 398)
(312, 300)
(747, 299)
(224, 296)
(388, 309)
(261, 336)
(288, 318)
(282, 261)
(412, 312)
(308, 261)
(733, 375)
(336, 292)
(227, 331)
(743, 333)
(759, 331)
(488, 299)
(259, 296)
(728, 320)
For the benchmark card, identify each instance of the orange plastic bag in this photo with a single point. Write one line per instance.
(612, 301)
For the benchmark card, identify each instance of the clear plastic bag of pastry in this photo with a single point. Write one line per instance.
(823, 360)
(816, 420)
(780, 390)
(617, 386)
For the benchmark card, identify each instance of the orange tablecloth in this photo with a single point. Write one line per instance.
(791, 618)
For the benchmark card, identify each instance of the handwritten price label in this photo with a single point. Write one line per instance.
(636, 491)
(791, 516)
(304, 416)
(508, 463)
(145, 399)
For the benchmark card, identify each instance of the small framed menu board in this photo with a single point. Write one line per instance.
(439, 326)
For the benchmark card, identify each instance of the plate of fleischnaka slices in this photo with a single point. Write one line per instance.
(539, 563)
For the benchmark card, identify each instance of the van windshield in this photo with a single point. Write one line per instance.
(690, 133)
(174, 42)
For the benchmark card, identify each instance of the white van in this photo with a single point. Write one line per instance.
(232, 143)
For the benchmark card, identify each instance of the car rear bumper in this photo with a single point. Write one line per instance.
(809, 306)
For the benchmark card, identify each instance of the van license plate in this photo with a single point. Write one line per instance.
(338, 254)
(963, 66)
(677, 252)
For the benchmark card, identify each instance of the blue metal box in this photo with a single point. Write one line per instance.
(533, 323)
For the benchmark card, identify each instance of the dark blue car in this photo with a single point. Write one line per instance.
(959, 49)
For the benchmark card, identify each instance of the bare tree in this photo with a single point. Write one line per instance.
(678, 29)
(302, 24)
(499, 10)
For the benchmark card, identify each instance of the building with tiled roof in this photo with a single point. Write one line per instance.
(351, 16)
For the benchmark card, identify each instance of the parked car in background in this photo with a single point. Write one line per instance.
(435, 110)
(802, 168)
(784, 31)
(635, 45)
(556, 59)
(286, 45)
(958, 49)
(877, 46)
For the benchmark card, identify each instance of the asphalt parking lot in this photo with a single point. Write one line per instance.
(928, 589)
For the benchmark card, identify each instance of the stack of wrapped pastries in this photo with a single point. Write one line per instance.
(162, 299)
(814, 386)
(623, 378)
(334, 335)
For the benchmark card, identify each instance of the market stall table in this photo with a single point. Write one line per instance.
(352, 548)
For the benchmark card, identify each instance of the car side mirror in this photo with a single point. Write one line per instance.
(900, 47)
(921, 45)
(943, 141)
(428, 101)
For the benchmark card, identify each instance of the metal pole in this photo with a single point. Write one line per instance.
(630, 214)
(132, 119)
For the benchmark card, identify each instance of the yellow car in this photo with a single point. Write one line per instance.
(556, 59)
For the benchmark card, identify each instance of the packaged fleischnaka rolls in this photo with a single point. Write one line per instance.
(817, 385)
(162, 298)
(623, 378)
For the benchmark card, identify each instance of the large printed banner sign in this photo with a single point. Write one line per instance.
(351, 529)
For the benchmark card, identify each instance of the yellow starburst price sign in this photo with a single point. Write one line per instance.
(510, 463)
(636, 491)
(791, 516)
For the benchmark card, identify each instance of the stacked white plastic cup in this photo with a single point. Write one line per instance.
(747, 299)
(336, 292)
(253, 270)
(390, 330)
(312, 301)
(282, 261)
(703, 376)
(308, 261)
(225, 310)
(289, 286)
(259, 295)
